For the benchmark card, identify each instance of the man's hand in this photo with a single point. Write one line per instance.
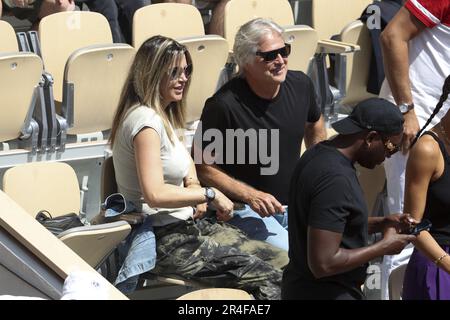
(264, 204)
(401, 222)
(393, 242)
(410, 129)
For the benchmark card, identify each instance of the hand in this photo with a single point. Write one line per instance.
(401, 222)
(410, 129)
(393, 242)
(200, 211)
(264, 204)
(221, 203)
(221, 216)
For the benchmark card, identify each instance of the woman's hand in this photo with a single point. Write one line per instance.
(222, 204)
(200, 211)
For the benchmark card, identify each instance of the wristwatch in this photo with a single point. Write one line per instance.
(210, 194)
(405, 108)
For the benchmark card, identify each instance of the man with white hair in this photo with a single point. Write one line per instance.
(269, 109)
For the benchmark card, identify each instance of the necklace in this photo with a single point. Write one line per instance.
(444, 133)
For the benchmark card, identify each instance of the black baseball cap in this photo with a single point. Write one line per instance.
(374, 114)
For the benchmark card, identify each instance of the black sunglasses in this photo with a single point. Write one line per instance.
(269, 56)
(176, 72)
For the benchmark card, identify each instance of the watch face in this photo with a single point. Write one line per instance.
(403, 108)
(210, 193)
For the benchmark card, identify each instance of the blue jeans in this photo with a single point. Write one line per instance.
(270, 229)
(139, 256)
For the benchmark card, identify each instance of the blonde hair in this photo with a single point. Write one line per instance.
(153, 61)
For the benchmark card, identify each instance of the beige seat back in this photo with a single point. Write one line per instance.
(62, 33)
(172, 20)
(97, 74)
(303, 41)
(358, 64)
(108, 185)
(51, 186)
(209, 55)
(42, 245)
(20, 74)
(216, 294)
(238, 12)
(330, 17)
(94, 243)
(395, 284)
(8, 38)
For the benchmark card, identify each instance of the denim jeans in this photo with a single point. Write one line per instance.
(139, 256)
(270, 229)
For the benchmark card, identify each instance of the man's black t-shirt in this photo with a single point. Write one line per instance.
(273, 128)
(325, 194)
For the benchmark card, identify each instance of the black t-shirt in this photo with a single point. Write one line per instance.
(325, 194)
(273, 128)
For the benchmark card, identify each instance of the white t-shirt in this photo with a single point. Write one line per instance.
(174, 158)
(429, 58)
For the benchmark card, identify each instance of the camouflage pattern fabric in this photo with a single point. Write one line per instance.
(220, 255)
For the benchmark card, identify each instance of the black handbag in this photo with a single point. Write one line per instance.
(58, 224)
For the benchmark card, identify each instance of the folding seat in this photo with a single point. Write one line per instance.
(216, 294)
(34, 263)
(209, 54)
(19, 90)
(238, 12)
(53, 186)
(303, 40)
(93, 81)
(330, 17)
(358, 64)
(8, 36)
(172, 20)
(60, 36)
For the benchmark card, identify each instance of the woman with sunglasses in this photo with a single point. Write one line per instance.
(154, 170)
(427, 196)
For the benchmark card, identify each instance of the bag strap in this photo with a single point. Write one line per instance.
(43, 215)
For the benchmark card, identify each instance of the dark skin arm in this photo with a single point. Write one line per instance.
(327, 258)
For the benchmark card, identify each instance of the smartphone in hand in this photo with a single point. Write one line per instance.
(424, 225)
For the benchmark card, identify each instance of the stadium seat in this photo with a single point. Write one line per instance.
(32, 261)
(216, 294)
(53, 186)
(238, 12)
(8, 36)
(330, 17)
(93, 81)
(19, 89)
(62, 33)
(172, 20)
(303, 41)
(209, 55)
(358, 64)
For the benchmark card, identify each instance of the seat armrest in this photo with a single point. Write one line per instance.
(338, 47)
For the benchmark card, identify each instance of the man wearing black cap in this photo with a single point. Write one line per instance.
(328, 217)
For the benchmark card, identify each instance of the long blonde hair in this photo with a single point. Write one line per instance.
(153, 61)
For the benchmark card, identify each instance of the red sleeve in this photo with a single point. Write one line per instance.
(430, 12)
